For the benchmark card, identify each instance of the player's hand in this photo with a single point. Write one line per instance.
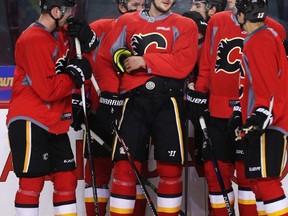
(257, 122)
(80, 70)
(118, 59)
(80, 29)
(78, 111)
(133, 63)
(62, 63)
(196, 106)
(235, 123)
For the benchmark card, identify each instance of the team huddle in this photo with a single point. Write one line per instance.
(134, 82)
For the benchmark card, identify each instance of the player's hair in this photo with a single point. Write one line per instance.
(47, 5)
(254, 10)
(220, 5)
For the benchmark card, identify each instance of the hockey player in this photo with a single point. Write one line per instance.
(164, 47)
(100, 119)
(218, 81)
(264, 104)
(39, 112)
(208, 8)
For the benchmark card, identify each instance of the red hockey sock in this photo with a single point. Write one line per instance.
(140, 203)
(217, 202)
(169, 189)
(29, 191)
(123, 190)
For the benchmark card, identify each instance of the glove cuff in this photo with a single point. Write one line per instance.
(197, 97)
(111, 99)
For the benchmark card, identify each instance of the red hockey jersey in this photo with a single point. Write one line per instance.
(265, 76)
(168, 44)
(220, 62)
(106, 81)
(38, 93)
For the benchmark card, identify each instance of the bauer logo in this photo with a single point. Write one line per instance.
(6, 82)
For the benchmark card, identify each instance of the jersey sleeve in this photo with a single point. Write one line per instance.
(40, 69)
(203, 78)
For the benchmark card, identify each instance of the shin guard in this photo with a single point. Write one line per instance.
(103, 165)
(64, 197)
(123, 190)
(140, 203)
(27, 196)
(169, 189)
(246, 197)
(272, 194)
(217, 203)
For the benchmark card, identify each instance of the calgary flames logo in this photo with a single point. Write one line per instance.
(229, 54)
(140, 43)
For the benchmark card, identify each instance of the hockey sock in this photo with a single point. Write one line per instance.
(64, 198)
(246, 197)
(272, 194)
(123, 190)
(169, 189)
(140, 203)
(27, 196)
(217, 203)
(103, 165)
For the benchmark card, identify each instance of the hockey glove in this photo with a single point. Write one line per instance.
(118, 59)
(110, 107)
(285, 43)
(80, 70)
(62, 63)
(196, 106)
(78, 111)
(235, 123)
(80, 29)
(257, 122)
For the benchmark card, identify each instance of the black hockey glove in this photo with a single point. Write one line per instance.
(62, 63)
(196, 106)
(80, 70)
(285, 43)
(110, 107)
(235, 123)
(78, 111)
(80, 29)
(118, 59)
(257, 122)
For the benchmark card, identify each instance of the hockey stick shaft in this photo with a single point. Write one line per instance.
(135, 170)
(88, 135)
(230, 210)
(186, 186)
(108, 148)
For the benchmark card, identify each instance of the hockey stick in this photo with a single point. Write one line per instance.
(88, 136)
(98, 139)
(108, 148)
(230, 210)
(136, 172)
(186, 186)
